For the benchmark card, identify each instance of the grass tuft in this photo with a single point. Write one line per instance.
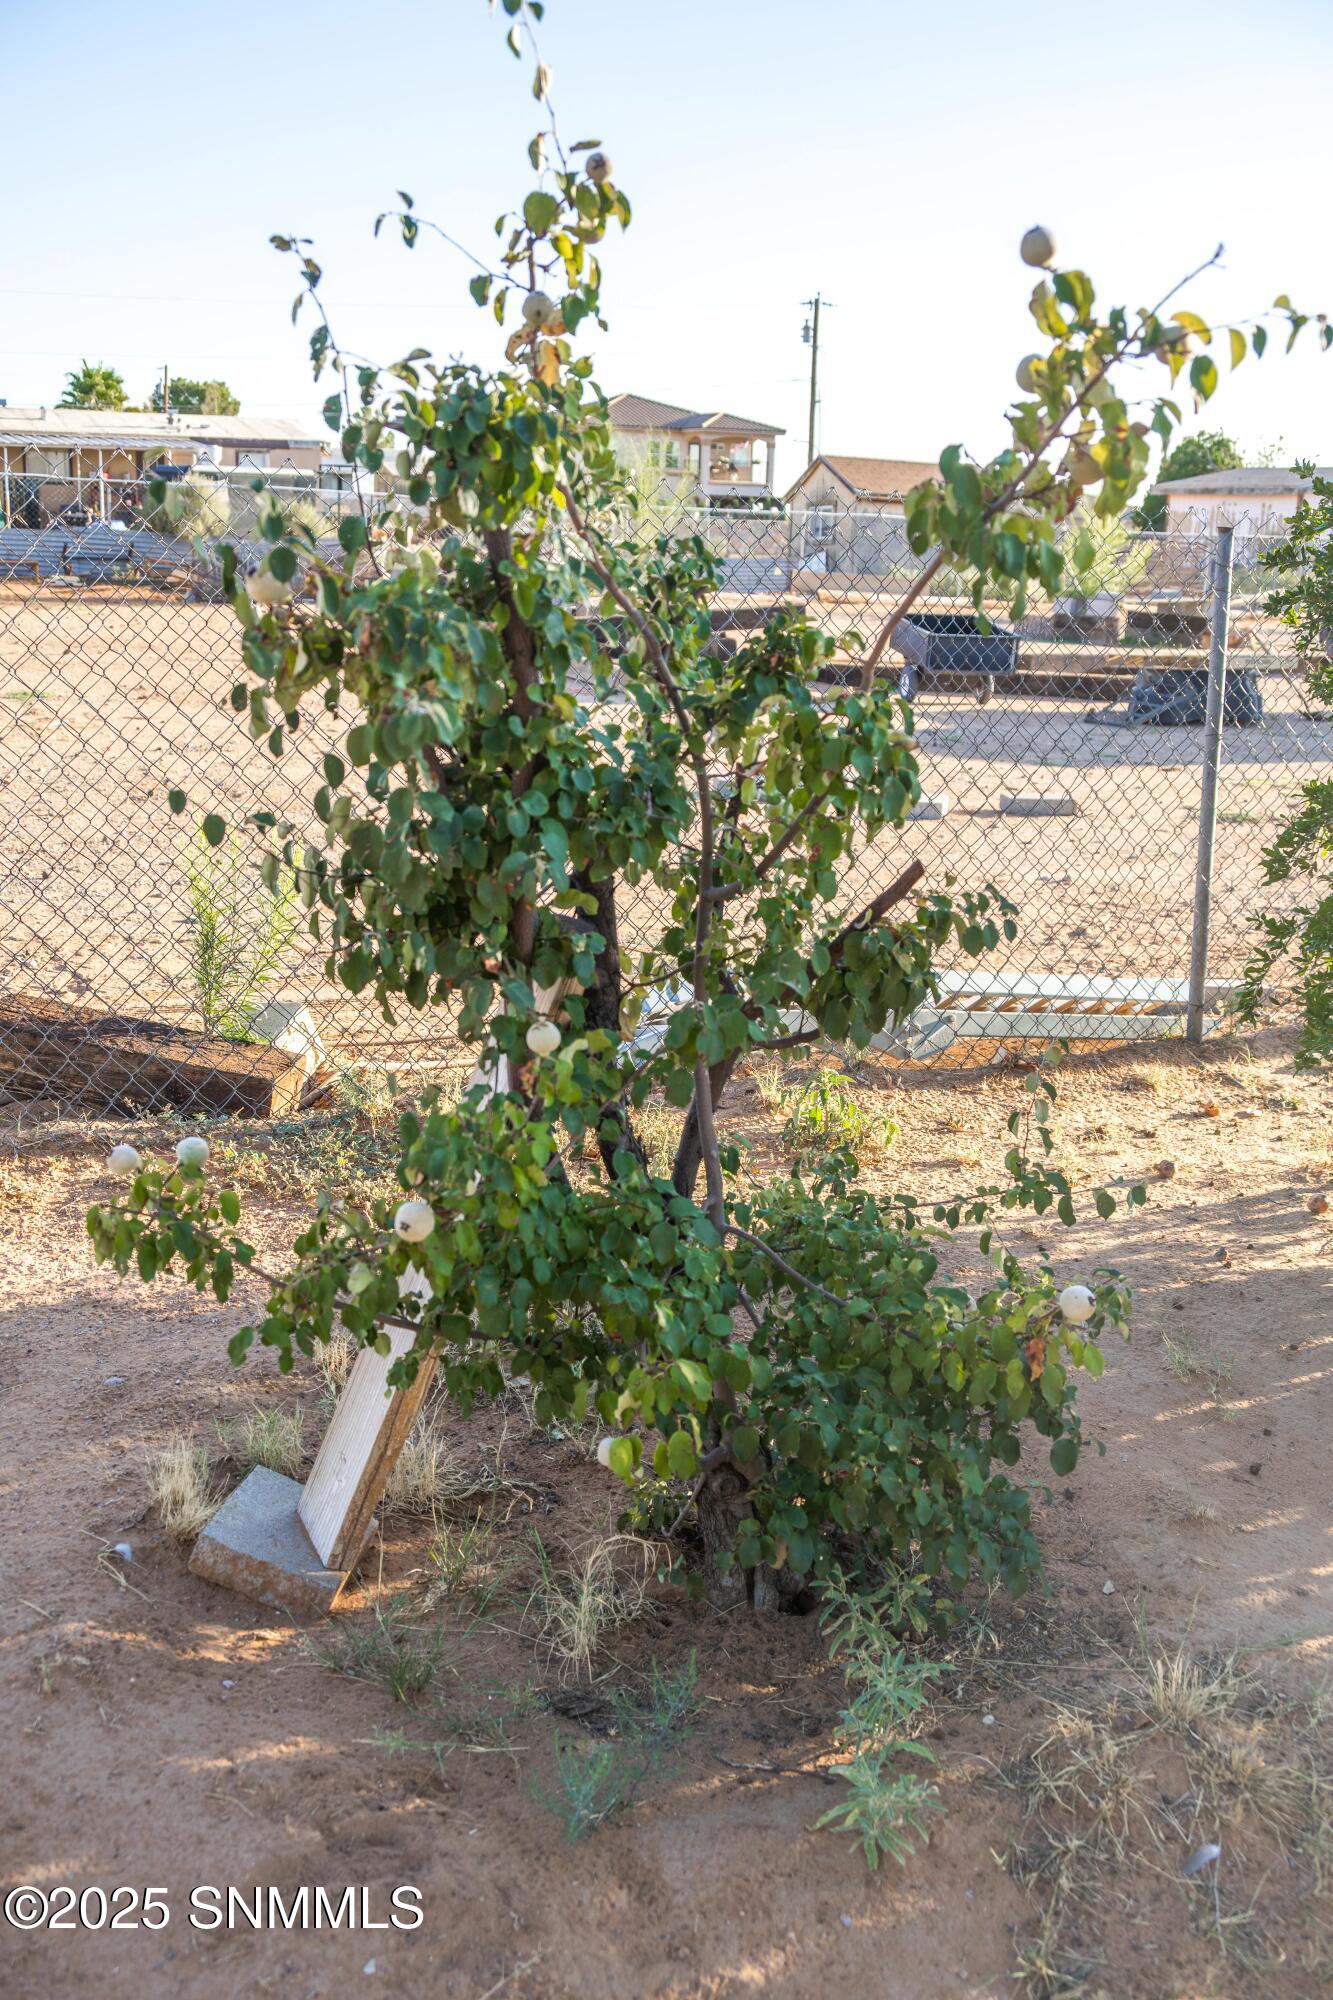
(178, 1479)
(269, 1437)
(578, 1609)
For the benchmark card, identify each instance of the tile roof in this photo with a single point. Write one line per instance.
(874, 478)
(646, 413)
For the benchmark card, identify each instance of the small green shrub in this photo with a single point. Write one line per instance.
(885, 1808)
(391, 1651)
(594, 1780)
(827, 1112)
(239, 932)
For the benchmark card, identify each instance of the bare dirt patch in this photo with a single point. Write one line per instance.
(162, 1732)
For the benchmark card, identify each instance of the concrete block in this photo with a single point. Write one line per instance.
(1039, 805)
(255, 1544)
(931, 805)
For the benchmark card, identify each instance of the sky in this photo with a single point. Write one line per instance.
(886, 155)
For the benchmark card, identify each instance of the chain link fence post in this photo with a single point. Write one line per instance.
(1212, 760)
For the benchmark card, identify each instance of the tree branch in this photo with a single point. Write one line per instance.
(789, 1270)
(1001, 500)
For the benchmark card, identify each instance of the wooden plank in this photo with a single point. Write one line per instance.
(115, 1061)
(368, 1429)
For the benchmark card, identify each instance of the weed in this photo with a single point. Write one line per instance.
(827, 1112)
(593, 1780)
(466, 1565)
(391, 1652)
(26, 708)
(885, 1809)
(1188, 1365)
(660, 1712)
(579, 1609)
(334, 1358)
(240, 932)
(422, 1478)
(272, 1438)
(1255, 1765)
(178, 1479)
(1182, 1693)
(350, 1160)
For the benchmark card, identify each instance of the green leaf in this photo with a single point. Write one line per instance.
(540, 211)
(176, 800)
(214, 829)
(1064, 1456)
(1238, 347)
(1203, 374)
(352, 533)
(682, 1459)
(621, 1456)
(744, 1442)
(282, 562)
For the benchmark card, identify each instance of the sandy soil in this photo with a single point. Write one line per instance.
(162, 1732)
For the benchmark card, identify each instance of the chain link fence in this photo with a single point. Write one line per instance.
(1063, 759)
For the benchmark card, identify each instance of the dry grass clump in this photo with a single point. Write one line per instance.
(424, 1476)
(1176, 1757)
(334, 1358)
(272, 1438)
(178, 1480)
(578, 1609)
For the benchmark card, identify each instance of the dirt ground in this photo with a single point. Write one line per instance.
(1161, 1691)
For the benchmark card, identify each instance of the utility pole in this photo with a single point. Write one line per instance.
(166, 392)
(810, 335)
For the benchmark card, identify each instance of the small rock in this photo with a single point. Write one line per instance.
(1255, 1469)
(846, 1922)
(1268, 1431)
(1221, 1256)
(1165, 1170)
(124, 1551)
(118, 1381)
(228, 1684)
(989, 1721)
(1108, 1588)
(1178, 1305)
(1212, 1111)
(1202, 1857)
(1248, 1111)
(1318, 1204)
(369, 1965)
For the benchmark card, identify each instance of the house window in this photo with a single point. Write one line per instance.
(47, 464)
(692, 458)
(671, 455)
(821, 524)
(759, 461)
(654, 453)
(257, 461)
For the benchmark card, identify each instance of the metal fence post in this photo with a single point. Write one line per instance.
(1212, 759)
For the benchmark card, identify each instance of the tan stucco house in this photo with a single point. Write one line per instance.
(847, 511)
(710, 454)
